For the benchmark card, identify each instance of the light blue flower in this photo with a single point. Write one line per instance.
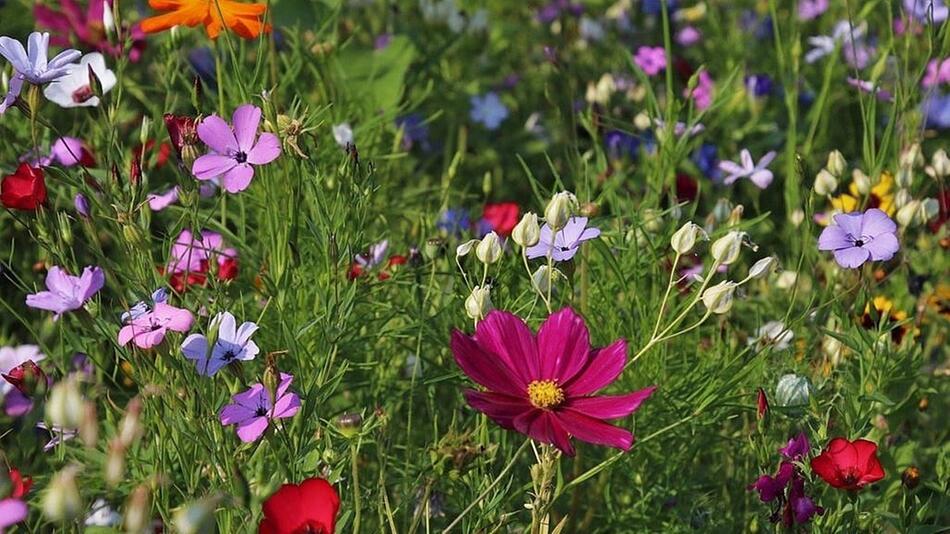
(232, 344)
(31, 64)
(488, 110)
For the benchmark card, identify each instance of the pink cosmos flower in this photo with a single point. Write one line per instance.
(542, 385)
(66, 292)
(234, 152)
(652, 59)
(252, 410)
(149, 329)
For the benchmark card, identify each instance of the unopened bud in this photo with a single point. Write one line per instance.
(89, 428)
(909, 214)
(902, 198)
(642, 121)
(138, 510)
(349, 424)
(763, 267)
(718, 298)
(197, 517)
(905, 177)
(825, 183)
(912, 157)
(560, 209)
(130, 428)
(489, 248)
(684, 239)
(115, 463)
(478, 304)
(61, 501)
(725, 250)
(862, 182)
(735, 216)
(527, 232)
(64, 408)
(910, 478)
(792, 390)
(939, 165)
(543, 279)
(466, 247)
(836, 163)
(930, 208)
(28, 378)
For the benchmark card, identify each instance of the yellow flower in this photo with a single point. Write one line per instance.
(881, 196)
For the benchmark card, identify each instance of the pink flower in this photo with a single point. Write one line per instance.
(938, 73)
(703, 92)
(652, 59)
(234, 153)
(542, 385)
(88, 28)
(252, 410)
(149, 329)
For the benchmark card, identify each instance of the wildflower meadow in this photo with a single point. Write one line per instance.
(474, 266)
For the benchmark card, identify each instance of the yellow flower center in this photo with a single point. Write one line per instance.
(545, 394)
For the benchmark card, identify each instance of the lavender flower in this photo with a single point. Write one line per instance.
(564, 245)
(651, 59)
(811, 9)
(927, 10)
(233, 343)
(66, 292)
(31, 64)
(858, 237)
(252, 410)
(375, 255)
(488, 110)
(758, 173)
(234, 152)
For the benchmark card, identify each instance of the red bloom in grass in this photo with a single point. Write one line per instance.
(542, 385)
(502, 216)
(27, 377)
(762, 404)
(849, 465)
(21, 484)
(310, 507)
(25, 189)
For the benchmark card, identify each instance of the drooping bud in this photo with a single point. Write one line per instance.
(527, 232)
(684, 239)
(64, 408)
(462, 250)
(762, 404)
(478, 304)
(718, 298)
(725, 250)
(825, 183)
(138, 509)
(836, 163)
(61, 501)
(489, 248)
(763, 267)
(862, 182)
(560, 209)
(543, 279)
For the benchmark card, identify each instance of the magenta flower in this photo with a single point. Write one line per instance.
(234, 152)
(565, 243)
(12, 511)
(938, 73)
(757, 173)
(652, 59)
(811, 9)
(148, 329)
(192, 253)
(88, 27)
(252, 410)
(702, 94)
(66, 292)
(792, 506)
(858, 237)
(542, 385)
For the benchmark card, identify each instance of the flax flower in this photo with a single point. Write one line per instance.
(243, 19)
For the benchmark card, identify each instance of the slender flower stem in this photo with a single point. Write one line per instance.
(666, 296)
(354, 461)
(484, 494)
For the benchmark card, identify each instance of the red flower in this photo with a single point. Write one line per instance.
(21, 484)
(503, 216)
(27, 377)
(762, 404)
(310, 506)
(25, 189)
(849, 465)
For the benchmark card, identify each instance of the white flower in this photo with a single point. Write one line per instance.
(773, 333)
(103, 515)
(74, 89)
(343, 134)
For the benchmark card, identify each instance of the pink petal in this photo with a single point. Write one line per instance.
(500, 408)
(265, 151)
(485, 368)
(211, 166)
(603, 367)
(594, 431)
(238, 178)
(542, 426)
(563, 345)
(218, 135)
(286, 406)
(246, 119)
(504, 334)
(609, 406)
(125, 334)
(252, 429)
(12, 511)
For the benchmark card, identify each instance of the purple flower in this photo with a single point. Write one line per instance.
(373, 257)
(31, 64)
(69, 151)
(811, 9)
(759, 85)
(488, 110)
(797, 447)
(702, 94)
(234, 152)
(160, 201)
(81, 203)
(936, 110)
(773, 487)
(454, 221)
(12, 511)
(927, 10)
(858, 237)
(66, 292)
(193, 253)
(800, 508)
(233, 343)
(758, 173)
(868, 87)
(651, 59)
(149, 329)
(57, 435)
(141, 307)
(252, 410)
(938, 73)
(564, 245)
(688, 36)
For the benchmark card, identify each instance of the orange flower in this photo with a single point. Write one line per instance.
(243, 19)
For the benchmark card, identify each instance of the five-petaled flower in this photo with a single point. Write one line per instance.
(563, 245)
(232, 344)
(849, 465)
(252, 410)
(243, 19)
(149, 329)
(858, 237)
(31, 64)
(310, 506)
(65, 292)
(542, 385)
(234, 152)
(757, 173)
(25, 189)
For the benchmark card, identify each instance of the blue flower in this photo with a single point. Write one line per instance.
(936, 110)
(488, 110)
(454, 221)
(706, 159)
(621, 145)
(759, 85)
(202, 62)
(414, 132)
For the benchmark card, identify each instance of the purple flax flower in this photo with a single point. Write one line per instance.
(141, 307)
(651, 59)
(14, 402)
(564, 245)
(66, 292)
(858, 237)
(927, 10)
(454, 221)
(773, 487)
(488, 110)
(787, 488)
(193, 253)
(758, 85)
(57, 435)
(234, 152)
(800, 508)
(149, 329)
(866, 86)
(797, 447)
(233, 343)
(811, 9)
(31, 64)
(758, 173)
(936, 110)
(252, 410)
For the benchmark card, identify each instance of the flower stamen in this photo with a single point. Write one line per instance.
(545, 394)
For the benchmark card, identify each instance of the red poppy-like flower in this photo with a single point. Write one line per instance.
(502, 216)
(310, 506)
(542, 385)
(849, 465)
(20, 484)
(25, 189)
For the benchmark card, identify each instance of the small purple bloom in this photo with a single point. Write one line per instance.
(811, 9)
(192, 253)
(688, 36)
(234, 152)
(375, 255)
(415, 132)
(758, 85)
(651, 59)
(67, 151)
(801, 507)
(252, 410)
(758, 173)
(66, 292)
(12, 511)
(702, 94)
(938, 73)
(488, 110)
(706, 159)
(868, 87)
(936, 110)
(160, 201)
(149, 329)
(233, 343)
(927, 10)
(620, 144)
(81, 203)
(771, 488)
(564, 245)
(858, 237)
(797, 447)
(31, 64)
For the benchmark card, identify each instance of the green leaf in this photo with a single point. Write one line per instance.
(374, 78)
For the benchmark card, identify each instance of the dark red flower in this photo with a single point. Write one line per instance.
(849, 465)
(686, 188)
(502, 216)
(762, 404)
(943, 201)
(25, 189)
(27, 377)
(183, 133)
(309, 507)
(21, 484)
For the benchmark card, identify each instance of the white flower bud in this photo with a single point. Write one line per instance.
(861, 181)
(786, 279)
(905, 177)
(825, 183)
(912, 157)
(718, 298)
(684, 239)
(902, 198)
(836, 163)
(560, 209)
(64, 408)
(652, 220)
(489, 248)
(642, 121)
(61, 501)
(796, 217)
(527, 232)
(939, 164)
(792, 390)
(725, 250)
(108, 20)
(909, 214)
(763, 267)
(466, 247)
(138, 509)
(542, 280)
(930, 208)
(478, 304)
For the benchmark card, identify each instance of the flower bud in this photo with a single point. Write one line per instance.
(543, 279)
(466, 247)
(905, 177)
(89, 428)
(718, 298)
(130, 428)
(138, 510)
(763, 267)
(909, 214)
(910, 478)
(560, 209)
(434, 248)
(735, 216)
(81, 203)
(836, 163)
(792, 390)
(349, 424)
(28, 378)
(796, 217)
(902, 198)
(930, 208)
(912, 157)
(939, 164)
(61, 501)
(115, 463)
(64, 408)
(725, 250)
(862, 182)
(197, 517)
(478, 304)
(527, 232)
(489, 248)
(684, 239)
(786, 280)
(825, 183)
(642, 121)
